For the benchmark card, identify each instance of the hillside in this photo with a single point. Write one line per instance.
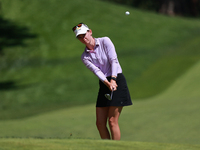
(42, 71)
(170, 117)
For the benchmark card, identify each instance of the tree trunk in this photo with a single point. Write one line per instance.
(179, 7)
(167, 7)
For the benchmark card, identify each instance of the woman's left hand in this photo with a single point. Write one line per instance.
(112, 85)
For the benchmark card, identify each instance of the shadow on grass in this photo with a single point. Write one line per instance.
(12, 34)
(8, 85)
(11, 85)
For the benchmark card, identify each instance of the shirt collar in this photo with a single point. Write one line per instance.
(96, 44)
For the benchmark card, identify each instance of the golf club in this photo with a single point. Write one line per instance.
(109, 96)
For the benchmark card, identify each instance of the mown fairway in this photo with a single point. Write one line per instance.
(47, 96)
(52, 144)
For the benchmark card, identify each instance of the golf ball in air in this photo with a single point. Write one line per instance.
(127, 13)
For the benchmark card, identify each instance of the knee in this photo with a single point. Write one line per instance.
(113, 122)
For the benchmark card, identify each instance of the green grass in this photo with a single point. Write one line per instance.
(47, 74)
(47, 96)
(171, 117)
(72, 144)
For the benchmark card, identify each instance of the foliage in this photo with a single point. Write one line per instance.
(170, 7)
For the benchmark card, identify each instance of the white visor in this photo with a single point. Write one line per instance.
(81, 30)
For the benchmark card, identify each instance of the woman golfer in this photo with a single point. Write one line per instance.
(100, 57)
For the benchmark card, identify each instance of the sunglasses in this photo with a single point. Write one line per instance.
(77, 26)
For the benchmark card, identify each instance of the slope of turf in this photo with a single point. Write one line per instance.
(74, 144)
(171, 117)
(43, 70)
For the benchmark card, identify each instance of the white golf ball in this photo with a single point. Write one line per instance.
(127, 13)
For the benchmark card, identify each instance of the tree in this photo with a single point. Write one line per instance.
(168, 7)
(179, 7)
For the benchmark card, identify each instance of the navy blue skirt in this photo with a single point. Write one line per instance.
(120, 97)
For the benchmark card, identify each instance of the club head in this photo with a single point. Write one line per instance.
(108, 96)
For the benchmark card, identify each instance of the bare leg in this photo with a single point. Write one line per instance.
(101, 122)
(113, 115)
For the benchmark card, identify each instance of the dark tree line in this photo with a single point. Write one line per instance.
(189, 8)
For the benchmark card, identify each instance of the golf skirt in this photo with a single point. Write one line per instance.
(120, 97)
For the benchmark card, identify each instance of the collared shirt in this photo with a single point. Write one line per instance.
(102, 61)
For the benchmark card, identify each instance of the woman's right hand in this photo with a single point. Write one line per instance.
(113, 85)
